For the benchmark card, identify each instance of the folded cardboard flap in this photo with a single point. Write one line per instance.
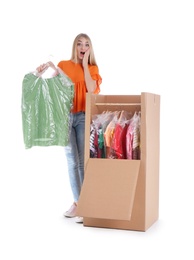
(109, 189)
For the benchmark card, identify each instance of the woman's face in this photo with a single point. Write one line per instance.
(82, 47)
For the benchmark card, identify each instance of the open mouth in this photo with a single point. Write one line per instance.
(82, 52)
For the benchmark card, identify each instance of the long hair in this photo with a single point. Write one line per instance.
(91, 59)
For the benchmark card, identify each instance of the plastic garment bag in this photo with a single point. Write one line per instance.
(46, 105)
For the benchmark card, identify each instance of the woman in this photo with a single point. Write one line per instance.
(82, 69)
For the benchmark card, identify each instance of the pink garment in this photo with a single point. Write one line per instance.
(129, 142)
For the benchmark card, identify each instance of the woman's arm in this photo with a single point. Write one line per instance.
(90, 83)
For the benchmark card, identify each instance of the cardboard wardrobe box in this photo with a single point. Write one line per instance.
(122, 193)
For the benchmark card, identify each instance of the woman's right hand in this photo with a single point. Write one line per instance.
(41, 67)
(45, 66)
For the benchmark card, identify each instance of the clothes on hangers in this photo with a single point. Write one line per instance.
(45, 106)
(121, 136)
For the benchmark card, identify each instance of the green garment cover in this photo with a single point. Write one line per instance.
(46, 105)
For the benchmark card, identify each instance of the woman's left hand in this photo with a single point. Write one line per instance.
(86, 57)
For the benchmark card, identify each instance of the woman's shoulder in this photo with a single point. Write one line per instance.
(66, 65)
(65, 62)
(93, 68)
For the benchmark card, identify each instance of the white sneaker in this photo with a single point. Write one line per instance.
(79, 219)
(71, 212)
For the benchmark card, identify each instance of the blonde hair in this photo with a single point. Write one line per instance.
(91, 60)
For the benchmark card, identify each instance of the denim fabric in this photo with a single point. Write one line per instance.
(75, 153)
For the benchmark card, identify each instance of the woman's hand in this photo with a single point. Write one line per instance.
(85, 58)
(45, 66)
(41, 68)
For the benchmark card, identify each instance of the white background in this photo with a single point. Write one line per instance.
(140, 46)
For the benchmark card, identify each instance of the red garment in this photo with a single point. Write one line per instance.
(119, 142)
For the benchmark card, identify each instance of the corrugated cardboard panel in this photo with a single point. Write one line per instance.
(121, 193)
(151, 154)
(109, 189)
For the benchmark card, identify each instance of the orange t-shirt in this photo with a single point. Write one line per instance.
(76, 73)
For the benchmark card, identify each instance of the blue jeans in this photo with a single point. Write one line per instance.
(75, 153)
